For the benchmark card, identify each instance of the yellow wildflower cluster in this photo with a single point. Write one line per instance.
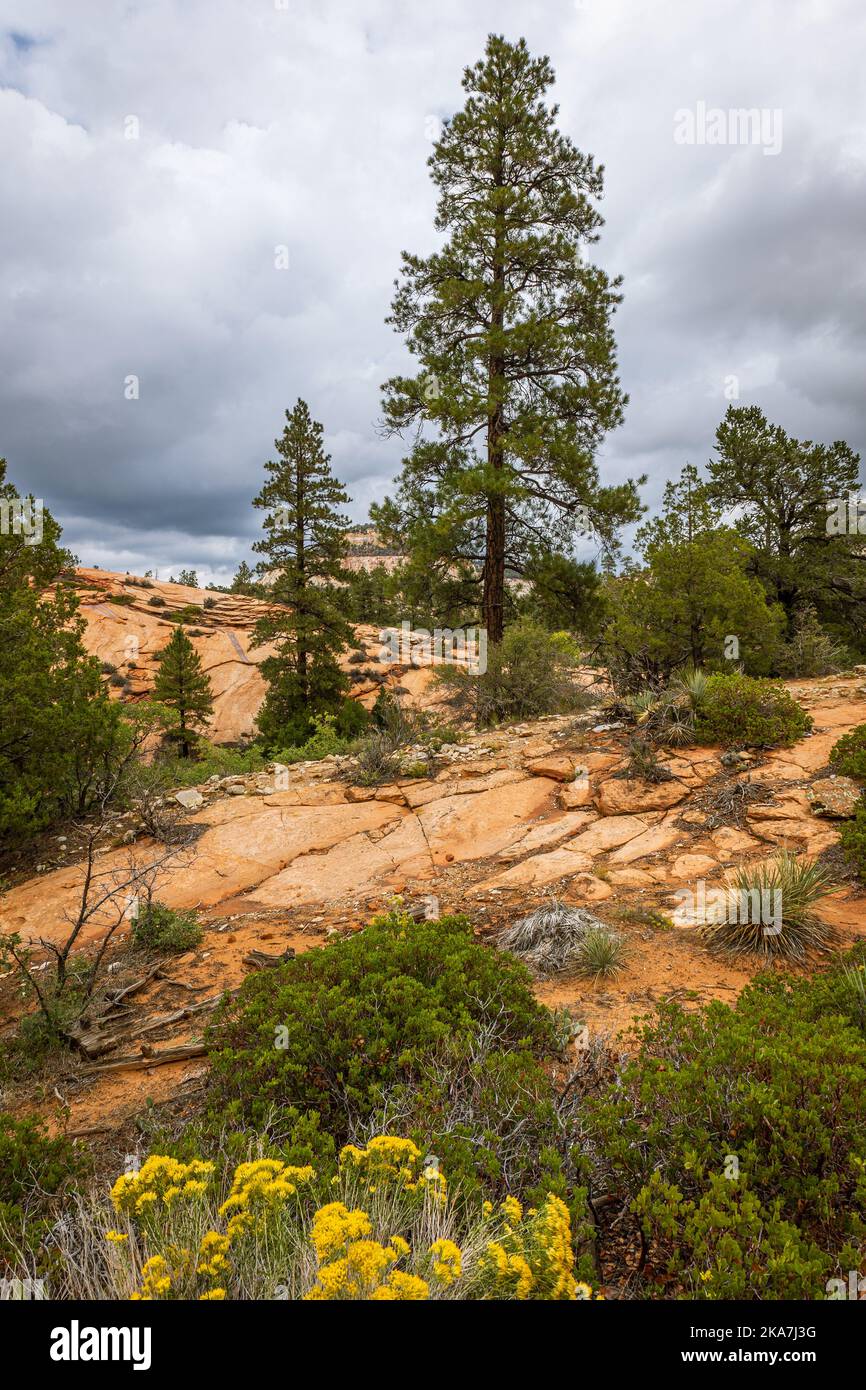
(213, 1255)
(447, 1261)
(366, 1271)
(389, 1160)
(352, 1266)
(334, 1225)
(533, 1257)
(259, 1189)
(159, 1181)
(165, 1274)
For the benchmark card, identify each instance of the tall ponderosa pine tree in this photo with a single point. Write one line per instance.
(511, 327)
(183, 685)
(305, 543)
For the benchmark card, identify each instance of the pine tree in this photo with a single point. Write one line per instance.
(244, 582)
(511, 328)
(782, 488)
(61, 739)
(304, 545)
(183, 685)
(695, 594)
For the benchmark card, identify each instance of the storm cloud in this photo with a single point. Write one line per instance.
(210, 198)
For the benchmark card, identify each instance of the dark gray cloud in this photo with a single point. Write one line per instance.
(262, 125)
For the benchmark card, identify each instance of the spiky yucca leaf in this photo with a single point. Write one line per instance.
(776, 898)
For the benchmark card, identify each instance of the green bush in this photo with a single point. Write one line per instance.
(208, 760)
(156, 601)
(530, 673)
(333, 1029)
(33, 1169)
(325, 739)
(852, 837)
(190, 613)
(745, 712)
(811, 651)
(160, 929)
(848, 754)
(737, 1135)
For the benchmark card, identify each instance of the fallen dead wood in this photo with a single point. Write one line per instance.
(260, 960)
(96, 1042)
(137, 1062)
(181, 984)
(136, 985)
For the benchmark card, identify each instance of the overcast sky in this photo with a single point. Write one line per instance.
(306, 124)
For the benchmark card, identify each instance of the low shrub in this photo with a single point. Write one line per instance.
(852, 838)
(643, 762)
(848, 754)
(376, 760)
(159, 929)
(332, 1029)
(736, 1135)
(745, 712)
(156, 601)
(34, 1169)
(530, 673)
(209, 760)
(811, 651)
(385, 1228)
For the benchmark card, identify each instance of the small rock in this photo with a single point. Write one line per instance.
(191, 800)
(837, 797)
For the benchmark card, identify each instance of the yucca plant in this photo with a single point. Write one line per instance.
(550, 938)
(642, 703)
(602, 953)
(692, 683)
(769, 911)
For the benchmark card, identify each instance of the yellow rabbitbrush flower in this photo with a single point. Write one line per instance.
(334, 1225)
(357, 1275)
(159, 1181)
(213, 1255)
(553, 1224)
(259, 1189)
(401, 1288)
(532, 1258)
(162, 1275)
(447, 1261)
(510, 1270)
(512, 1210)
